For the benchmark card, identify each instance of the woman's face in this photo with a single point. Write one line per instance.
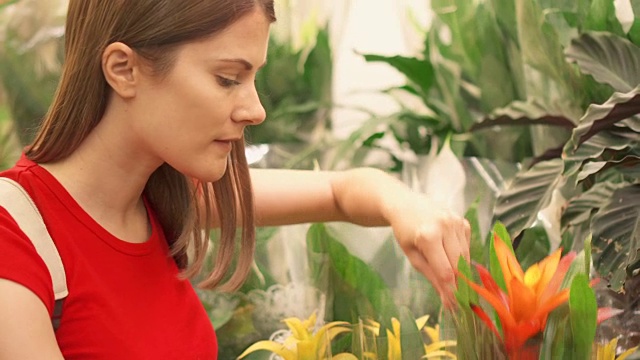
(190, 118)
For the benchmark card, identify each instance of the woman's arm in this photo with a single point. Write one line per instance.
(432, 238)
(25, 327)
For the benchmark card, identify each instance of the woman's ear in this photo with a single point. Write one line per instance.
(121, 69)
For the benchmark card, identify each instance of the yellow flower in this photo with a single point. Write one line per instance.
(434, 350)
(608, 351)
(304, 343)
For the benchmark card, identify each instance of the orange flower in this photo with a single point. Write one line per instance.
(530, 296)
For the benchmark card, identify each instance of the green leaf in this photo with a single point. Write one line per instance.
(500, 231)
(505, 14)
(583, 315)
(418, 72)
(359, 291)
(518, 206)
(596, 146)
(597, 167)
(602, 17)
(497, 78)
(539, 41)
(533, 246)
(464, 294)
(411, 338)
(576, 218)
(460, 19)
(587, 254)
(318, 68)
(616, 235)
(609, 58)
(476, 247)
(600, 117)
(634, 32)
(448, 101)
(521, 113)
(555, 333)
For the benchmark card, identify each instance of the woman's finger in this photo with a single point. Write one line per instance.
(429, 242)
(418, 261)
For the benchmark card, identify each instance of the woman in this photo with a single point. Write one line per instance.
(145, 127)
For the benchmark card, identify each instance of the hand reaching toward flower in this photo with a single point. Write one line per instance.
(433, 240)
(432, 237)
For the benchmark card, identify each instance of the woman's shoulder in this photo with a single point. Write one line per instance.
(21, 171)
(21, 263)
(19, 260)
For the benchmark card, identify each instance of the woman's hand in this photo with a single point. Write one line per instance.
(433, 240)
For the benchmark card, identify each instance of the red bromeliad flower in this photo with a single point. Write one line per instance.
(530, 296)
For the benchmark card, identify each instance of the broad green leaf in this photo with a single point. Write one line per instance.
(583, 315)
(494, 265)
(580, 208)
(418, 72)
(464, 294)
(609, 58)
(629, 164)
(411, 338)
(505, 14)
(295, 90)
(520, 113)
(587, 254)
(616, 235)
(599, 117)
(447, 100)
(518, 206)
(596, 146)
(539, 42)
(318, 68)
(632, 123)
(477, 247)
(533, 246)
(460, 19)
(359, 291)
(602, 17)
(569, 234)
(555, 333)
(634, 32)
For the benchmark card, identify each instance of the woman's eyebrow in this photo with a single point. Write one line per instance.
(246, 64)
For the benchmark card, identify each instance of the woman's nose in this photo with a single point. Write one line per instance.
(250, 110)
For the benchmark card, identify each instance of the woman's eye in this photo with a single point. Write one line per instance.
(226, 82)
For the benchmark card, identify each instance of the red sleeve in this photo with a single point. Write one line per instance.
(20, 263)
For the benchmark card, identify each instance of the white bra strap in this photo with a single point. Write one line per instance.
(21, 207)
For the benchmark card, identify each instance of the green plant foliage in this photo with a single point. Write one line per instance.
(576, 219)
(295, 90)
(499, 233)
(477, 249)
(419, 72)
(616, 235)
(610, 59)
(533, 246)
(523, 113)
(411, 340)
(467, 326)
(583, 315)
(530, 191)
(358, 291)
(620, 106)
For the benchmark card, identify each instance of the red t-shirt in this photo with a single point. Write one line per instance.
(125, 299)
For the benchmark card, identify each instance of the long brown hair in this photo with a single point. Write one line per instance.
(155, 29)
